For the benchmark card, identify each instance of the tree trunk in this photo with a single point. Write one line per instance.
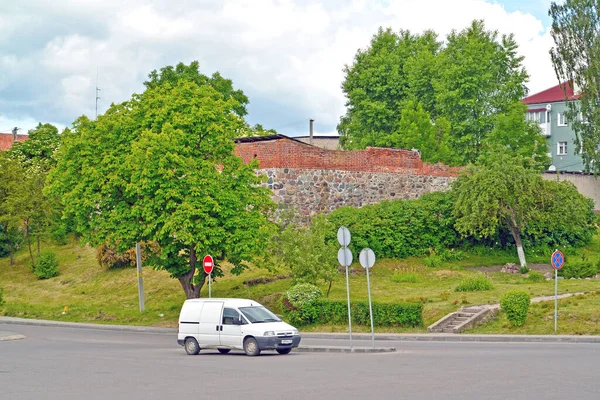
(329, 288)
(516, 234)
(29, 244)
(10, 251)
(191, 291)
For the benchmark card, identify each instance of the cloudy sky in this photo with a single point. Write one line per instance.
(286, 55)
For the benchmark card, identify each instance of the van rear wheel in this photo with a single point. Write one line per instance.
(284, 351)
(191, 346)
(224, 351)
(251, 347)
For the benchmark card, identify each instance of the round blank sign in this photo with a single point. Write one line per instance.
(366, 258)
(345, 257)
(343, 235)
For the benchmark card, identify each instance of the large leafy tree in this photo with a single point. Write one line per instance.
(481, 76)
(576, 59)
(12, 197)
(406, 84)
(39, 211)
(160, 167)
(503, 193)
(395, 68)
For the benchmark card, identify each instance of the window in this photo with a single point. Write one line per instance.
(562, 120)
(561, 148)
(229, 316)
(536, 116)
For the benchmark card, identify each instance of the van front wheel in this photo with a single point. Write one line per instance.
(251, 347)
(191, 346)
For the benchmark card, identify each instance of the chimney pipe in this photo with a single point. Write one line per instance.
(310, 140)
(14, 132)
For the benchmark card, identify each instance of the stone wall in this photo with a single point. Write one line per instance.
(314, 180)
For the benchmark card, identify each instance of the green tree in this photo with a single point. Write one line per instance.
(576, 59)
(306, 252)
(396, 67)
(513, 134)
(37, 156)
(12, 198)
(500, 194)
(481, 76)
(39, 149)
(161, 167)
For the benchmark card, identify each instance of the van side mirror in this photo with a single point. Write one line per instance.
(237, 321)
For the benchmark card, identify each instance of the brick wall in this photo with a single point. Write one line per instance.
(314, 180)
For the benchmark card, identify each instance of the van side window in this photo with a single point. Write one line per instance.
(229, 316)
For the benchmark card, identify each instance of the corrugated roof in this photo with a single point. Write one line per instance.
(552, 95)
(251, 139)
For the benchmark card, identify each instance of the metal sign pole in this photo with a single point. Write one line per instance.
(555, 300)
(138, 259)
(209, 285)
(349, 315)
(370, 307)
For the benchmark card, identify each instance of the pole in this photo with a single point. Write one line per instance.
(209, 285)
(348, 292)
(370, 307)
(138, 259)
(555, 300)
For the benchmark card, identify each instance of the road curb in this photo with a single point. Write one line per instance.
(337, 349)
(425, 337)
(434, 337)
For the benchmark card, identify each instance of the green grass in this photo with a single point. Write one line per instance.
(93, 294)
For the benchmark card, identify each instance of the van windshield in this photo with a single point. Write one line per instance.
(257, 315)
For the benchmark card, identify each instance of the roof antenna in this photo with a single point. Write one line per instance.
(97, 90)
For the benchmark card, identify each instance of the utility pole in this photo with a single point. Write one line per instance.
(97, 90)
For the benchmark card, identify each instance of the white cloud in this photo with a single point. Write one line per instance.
(287, 55)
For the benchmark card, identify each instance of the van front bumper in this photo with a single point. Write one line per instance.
(180, 342)
(274, 342)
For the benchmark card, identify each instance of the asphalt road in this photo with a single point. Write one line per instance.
(72, 363)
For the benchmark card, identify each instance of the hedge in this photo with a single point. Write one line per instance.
(325, 312)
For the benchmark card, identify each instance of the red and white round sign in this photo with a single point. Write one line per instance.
(208, 264)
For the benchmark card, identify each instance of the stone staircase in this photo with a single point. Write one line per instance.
(467, 317)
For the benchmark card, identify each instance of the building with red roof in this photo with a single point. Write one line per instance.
(8, 138)
(547, 108)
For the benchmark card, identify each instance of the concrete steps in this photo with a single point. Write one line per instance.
(467, 317)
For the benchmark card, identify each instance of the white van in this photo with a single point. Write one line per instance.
(226, 324)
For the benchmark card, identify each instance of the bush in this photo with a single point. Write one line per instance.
(109, 258)
(303, 294)
(432, 261)
(405, 277)
(325, 312)
(578, 269)
(475, 284)
(515, 304)
(452, 255)
(524, 269)
(46, 266)
(1, 298)
(535, 276)
(400, 228)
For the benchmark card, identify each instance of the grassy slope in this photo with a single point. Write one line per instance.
(96, 295)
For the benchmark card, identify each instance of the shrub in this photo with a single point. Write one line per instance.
(578, 269)
(535, 276)
(405, 277)
(524, 269)
(323, 312)
(452, 255)
(432, 261)
(1, 298)
(475, 284)
(109, 258)
(46, 266)
(515, 304)
(302, 294)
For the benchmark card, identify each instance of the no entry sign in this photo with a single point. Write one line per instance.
(208, 264)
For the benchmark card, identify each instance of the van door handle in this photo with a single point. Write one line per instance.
(221, 328)
(217, 328)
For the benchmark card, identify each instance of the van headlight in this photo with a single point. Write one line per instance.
(295, 332)
(269, 333)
